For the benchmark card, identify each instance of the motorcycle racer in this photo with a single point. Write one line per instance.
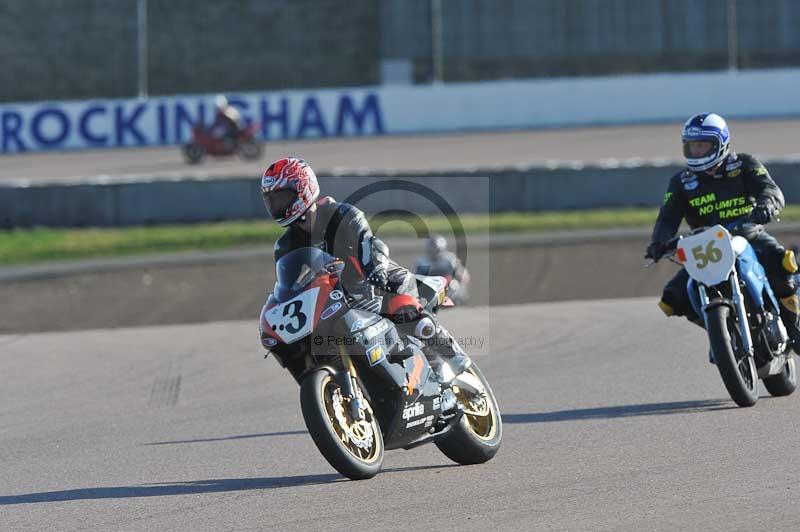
(291, 196)
(439, 261)
(720, 186)
(227, 122)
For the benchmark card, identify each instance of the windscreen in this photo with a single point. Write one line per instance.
(295, 270)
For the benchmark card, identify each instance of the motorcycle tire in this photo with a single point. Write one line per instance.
(476, 439)
(250, 149)
(194, 153)
(319, 412)
(739, 375)
(785, 382)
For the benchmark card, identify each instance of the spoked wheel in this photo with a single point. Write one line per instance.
(785, 382)
(353, 447)
(476, 438)
(738, 370)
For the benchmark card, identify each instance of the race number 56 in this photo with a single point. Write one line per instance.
(707, 255)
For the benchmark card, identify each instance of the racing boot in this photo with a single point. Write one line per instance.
(790, 306)
(442, 350)
(790, 314)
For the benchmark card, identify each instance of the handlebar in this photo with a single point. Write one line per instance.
(737, 227)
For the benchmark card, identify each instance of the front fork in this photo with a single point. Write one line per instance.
(741, 311)
(347, 382)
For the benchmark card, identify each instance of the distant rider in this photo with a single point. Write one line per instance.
(439, 261)
(227, 122)
(720, 186)
(290, 191)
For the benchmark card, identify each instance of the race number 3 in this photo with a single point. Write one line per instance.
(294, 312)
(709, 255)
(294, 319)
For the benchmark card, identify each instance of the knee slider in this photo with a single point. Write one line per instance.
(789, 261)
(791, 303)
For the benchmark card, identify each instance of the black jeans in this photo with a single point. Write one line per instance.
(770, 254)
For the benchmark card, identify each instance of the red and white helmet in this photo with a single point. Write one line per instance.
(289, 187)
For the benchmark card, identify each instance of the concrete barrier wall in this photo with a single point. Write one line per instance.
(185, 201)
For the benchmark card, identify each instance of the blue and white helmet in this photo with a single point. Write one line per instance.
(707, 127)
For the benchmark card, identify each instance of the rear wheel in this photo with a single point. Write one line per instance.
(250, 149)
(353, 447)
(785, 382)
(738, 371)
(476, 438)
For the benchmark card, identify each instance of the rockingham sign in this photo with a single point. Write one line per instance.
(406, 109)
(165, 121)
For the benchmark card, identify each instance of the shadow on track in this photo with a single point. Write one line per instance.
(226, 438)
(609, 412)
(190, 488)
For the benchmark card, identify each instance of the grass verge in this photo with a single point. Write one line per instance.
(21, 246)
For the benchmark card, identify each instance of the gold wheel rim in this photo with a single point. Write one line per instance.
(359, 430)
(480, 412)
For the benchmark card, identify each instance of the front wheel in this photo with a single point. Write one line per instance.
(476, 438)
(785, 382)
(738, 371)
(353, 447)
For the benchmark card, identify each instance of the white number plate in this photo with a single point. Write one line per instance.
(294, 319)
(708, 256)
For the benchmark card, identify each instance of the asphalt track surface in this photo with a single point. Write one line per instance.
(614, 420)
(632, 144)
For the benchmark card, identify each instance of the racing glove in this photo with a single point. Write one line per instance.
(761, 214)
(655, 250)
(379, 277)
(375, 258)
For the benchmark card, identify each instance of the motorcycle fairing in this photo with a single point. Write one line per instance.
(754, 276)
(356, 320)
(294, 319)
(420, 408)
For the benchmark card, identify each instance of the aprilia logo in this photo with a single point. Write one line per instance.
(413, 411)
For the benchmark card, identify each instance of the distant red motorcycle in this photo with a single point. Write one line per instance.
(203, 143)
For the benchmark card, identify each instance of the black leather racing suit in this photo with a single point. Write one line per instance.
(342, 231)
(729, 196)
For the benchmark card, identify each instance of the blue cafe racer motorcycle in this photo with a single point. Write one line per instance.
(728, 288)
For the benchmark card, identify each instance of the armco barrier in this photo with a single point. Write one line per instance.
(195, 200)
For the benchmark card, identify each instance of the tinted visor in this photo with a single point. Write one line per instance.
(698, 149)
(279, 202)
